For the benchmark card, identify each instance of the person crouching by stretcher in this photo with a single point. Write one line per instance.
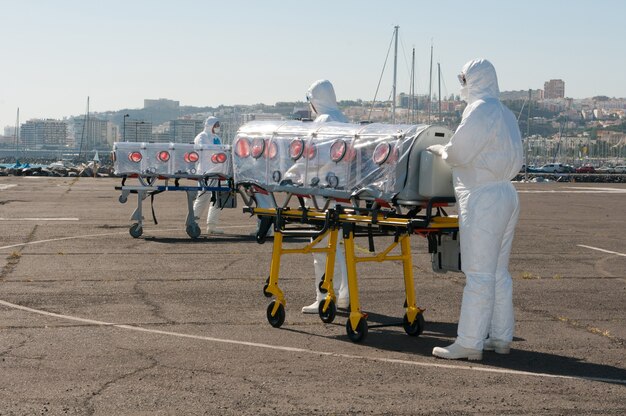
(208, 136)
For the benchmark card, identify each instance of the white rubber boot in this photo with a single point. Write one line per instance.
(500, 347)
(457, 352)
(212, 220)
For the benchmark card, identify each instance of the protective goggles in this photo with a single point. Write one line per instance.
(462, 79)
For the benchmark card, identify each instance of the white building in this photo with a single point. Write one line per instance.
(39, 134)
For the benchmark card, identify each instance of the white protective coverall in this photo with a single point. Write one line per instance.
(208, 136)
(485, 153)
(321, 97)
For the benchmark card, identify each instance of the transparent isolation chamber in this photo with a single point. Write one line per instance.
(341, 161)
(172, 160)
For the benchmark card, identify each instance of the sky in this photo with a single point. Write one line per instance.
(56, 53)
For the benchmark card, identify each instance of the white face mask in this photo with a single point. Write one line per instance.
(464, 93)
(216, 130)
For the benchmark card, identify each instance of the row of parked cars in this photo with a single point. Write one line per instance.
(563, 168)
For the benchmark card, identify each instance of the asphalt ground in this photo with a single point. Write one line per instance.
(93, 321)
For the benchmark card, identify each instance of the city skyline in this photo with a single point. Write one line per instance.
(246, 52)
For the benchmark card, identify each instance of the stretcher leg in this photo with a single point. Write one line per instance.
(328, 307)
(137, 228)
(191, 226)
(413, 321)
(356, 327)
(276, 308)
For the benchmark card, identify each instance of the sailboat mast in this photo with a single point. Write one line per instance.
(82, 134)
(395, 68)
(17, 134)
(412, 91)
(439, 93)
(430, 82)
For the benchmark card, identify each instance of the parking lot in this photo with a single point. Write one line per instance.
(93, 321)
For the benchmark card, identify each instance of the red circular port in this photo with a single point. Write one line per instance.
(218, 158)
(338, 150)
(271, 151)
(163, 156)
(191, 157)
(381, 153)
(134, 157)
(296, 148)
(257, 148)
(310, 151)
(242, 148)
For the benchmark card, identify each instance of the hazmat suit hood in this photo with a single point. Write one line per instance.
(210, 133)
(481, 81)
(321, 95)
(209, 123)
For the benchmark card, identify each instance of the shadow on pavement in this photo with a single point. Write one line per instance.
(386, 333)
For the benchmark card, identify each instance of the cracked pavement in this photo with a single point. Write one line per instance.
(212, 351)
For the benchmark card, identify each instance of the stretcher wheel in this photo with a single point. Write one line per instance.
(277, 320)
(193, 230)
(319, 285)
(122, 199)
(135, 230)
(416, 328)
(265, 292)
(328, 316)
(360, 333)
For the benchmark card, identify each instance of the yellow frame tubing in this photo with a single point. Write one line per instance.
(353, 287)
(272, 284)
(327, 283)
(407, 264)
(409, 287)
(278, 251)
(412, 310)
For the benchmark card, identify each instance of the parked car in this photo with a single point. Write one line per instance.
(605, 169)
(553, 168)
(586, 169)
(619, 169)
(531, 169)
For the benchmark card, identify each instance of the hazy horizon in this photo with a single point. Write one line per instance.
(245, 52)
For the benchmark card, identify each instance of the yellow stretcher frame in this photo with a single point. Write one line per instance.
(356, 325)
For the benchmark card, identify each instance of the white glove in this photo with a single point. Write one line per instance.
(436, 149)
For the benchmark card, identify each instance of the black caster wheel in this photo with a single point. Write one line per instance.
(328, 316)
(416, 328)
(360, 333)
(319, 286)
(277, 320)
(122, 199)
(265, 286)
(193, 230)
(135, 230)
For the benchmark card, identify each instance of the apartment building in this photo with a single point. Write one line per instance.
(40, 134)
(555, 88)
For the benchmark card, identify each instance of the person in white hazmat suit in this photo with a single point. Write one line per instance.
(485, 153)
(323, 102)
(208, 136)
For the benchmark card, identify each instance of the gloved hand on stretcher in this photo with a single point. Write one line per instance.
(436, 149)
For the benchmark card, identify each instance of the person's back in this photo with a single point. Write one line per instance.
(485, 153)
(487, 145)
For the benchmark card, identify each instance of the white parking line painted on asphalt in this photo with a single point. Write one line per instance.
(473, 367)
(572, 190)
(602, 250)
(51, 240)
(3, 187)
(39, 219)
